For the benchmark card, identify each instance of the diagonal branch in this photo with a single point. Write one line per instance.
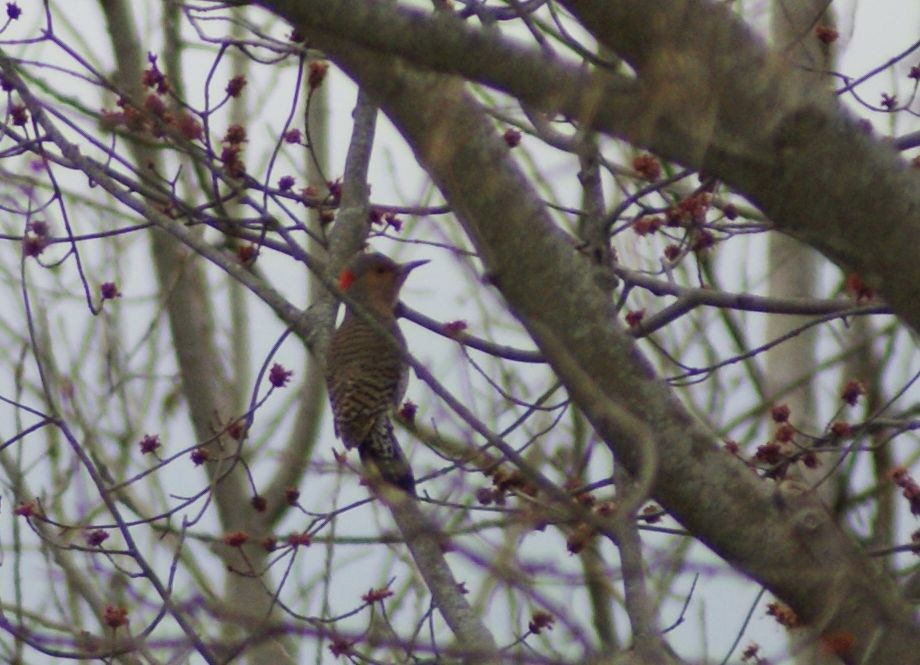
(788, 543)
(709, 95)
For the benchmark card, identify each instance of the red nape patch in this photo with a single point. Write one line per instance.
(346, 278)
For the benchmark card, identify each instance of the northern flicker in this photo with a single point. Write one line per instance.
(365, 374)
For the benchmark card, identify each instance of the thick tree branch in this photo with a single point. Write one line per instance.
(787, 542)
(709, 95)
(784, 142)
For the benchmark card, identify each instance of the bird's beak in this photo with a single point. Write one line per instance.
(406, 268)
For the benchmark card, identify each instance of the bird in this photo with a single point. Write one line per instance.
(366, 374)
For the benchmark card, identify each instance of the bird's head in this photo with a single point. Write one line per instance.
(374, 280)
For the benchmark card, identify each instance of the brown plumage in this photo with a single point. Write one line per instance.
(365, 374)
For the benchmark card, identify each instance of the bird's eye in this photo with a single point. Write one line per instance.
(381, 270)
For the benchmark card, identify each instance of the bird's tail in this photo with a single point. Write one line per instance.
(383, 459)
